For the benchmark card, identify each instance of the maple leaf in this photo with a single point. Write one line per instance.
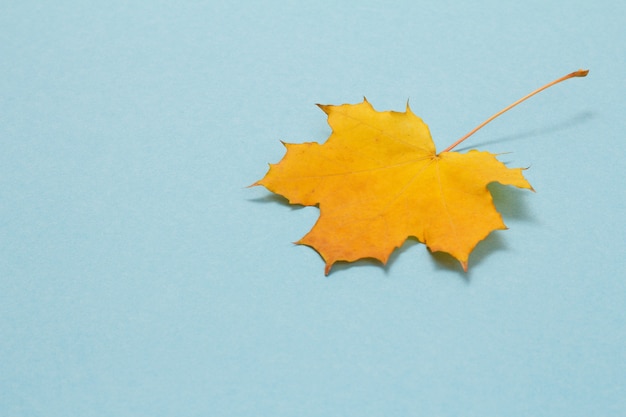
(378, 180)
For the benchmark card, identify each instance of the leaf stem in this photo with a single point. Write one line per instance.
(579, 73)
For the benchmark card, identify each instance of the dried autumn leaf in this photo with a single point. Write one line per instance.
(378, 180)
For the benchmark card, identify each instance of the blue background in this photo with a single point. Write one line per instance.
(140, 277)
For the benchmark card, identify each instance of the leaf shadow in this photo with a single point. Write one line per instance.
(512, 204)
(569, 123)
(276, 199)
(491, 244)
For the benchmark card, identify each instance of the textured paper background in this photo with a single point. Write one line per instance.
(139, 277)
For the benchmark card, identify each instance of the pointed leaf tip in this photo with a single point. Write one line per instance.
(408, 109)
(365, 101)
(325, 107)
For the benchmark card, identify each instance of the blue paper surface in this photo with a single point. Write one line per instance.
(140, 277)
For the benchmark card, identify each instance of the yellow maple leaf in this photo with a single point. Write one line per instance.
(378, 180)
